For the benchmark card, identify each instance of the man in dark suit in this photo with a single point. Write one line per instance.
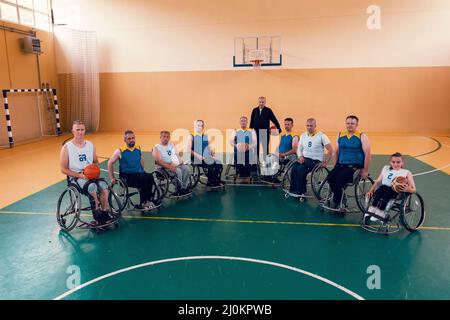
(260, 122)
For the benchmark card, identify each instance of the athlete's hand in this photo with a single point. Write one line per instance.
(173, 168)
(301, 159)
(370, 193)
(113, 181)
(324, 164)
(364, 174)
(82, 176)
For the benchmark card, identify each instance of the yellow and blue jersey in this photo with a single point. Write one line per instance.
(200, 144)
(286, 141)
(350, 149)
(130, 160)
(243, 136)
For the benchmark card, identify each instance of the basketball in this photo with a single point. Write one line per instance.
(92, 172)
(274, 131)
(241, 147)
(397, 182)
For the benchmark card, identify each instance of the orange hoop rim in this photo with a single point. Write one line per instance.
(256, 62)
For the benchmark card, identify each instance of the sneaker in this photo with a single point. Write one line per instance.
(148, 206)
(366, 219)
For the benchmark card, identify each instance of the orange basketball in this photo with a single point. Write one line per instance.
(397, 182)
(274, 131)
(92, 172)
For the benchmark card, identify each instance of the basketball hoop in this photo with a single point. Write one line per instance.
(256, 63)
(256, 58)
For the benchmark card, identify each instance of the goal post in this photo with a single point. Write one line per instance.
(6, 106)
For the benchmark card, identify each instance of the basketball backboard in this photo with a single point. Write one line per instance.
(260, 51)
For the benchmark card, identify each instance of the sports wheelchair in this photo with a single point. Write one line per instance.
(200, 176)
(167, 183)
(359, 187)
(122, 190)
(407, 211)
(316, 177)
(70, 205)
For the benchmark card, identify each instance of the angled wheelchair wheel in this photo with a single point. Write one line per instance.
(195, 175)
(412, 212)
(324, 193)
(362, 186)
(69, 207)
(286, 181)
(162, 181)
(318, 176)
(115, 203)
(120, 189)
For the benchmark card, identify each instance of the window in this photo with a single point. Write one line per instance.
(31, 13)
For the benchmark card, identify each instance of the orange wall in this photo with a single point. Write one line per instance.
(385, 99)
(164, 63)
(20, 71)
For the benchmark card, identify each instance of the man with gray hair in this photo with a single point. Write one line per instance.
(310, 152)
(131, 169)
(260, 122)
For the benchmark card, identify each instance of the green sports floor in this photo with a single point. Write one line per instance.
(247, 242)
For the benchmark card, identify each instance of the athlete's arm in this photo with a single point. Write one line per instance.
(336, 152)
(115, 156)
(64, 164)
(329, 156)
(300, 156)
(411, 188)
(254, 140)
(375, 184)
(94, 156)
(159, 162)
(294, 147)
(367, 155)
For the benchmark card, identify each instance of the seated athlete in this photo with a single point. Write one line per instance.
(287, 149)
(131, 169)
(352, 153)
(166, 156)
(75, 156)
(203, 154)
(244, 142)
(385, 193)
(310, 152)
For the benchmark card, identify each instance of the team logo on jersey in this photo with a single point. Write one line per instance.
(82, 157)
(169, 153)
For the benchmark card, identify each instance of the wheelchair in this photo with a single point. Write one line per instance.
(271, 168)
(128, 199)
(314, 180)
(200, 177)
(406, 211)
(71, 205)
(167, 182)
(359, 187)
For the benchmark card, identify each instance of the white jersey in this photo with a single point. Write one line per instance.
(390, 174)
(312, 146)
(168, 153)
(79, 158)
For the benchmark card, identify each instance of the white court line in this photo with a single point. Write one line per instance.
(283, 266)
(431, 171)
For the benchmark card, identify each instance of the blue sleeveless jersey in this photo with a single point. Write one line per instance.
(286, 142)
(130, 160)
(200, 143)
(243, 136)
(350, 149)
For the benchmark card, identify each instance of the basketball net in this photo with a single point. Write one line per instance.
(256, 63)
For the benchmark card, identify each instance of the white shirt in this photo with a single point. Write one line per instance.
(168, 153)
(390, 174)
(79, 158)
(312, 146)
